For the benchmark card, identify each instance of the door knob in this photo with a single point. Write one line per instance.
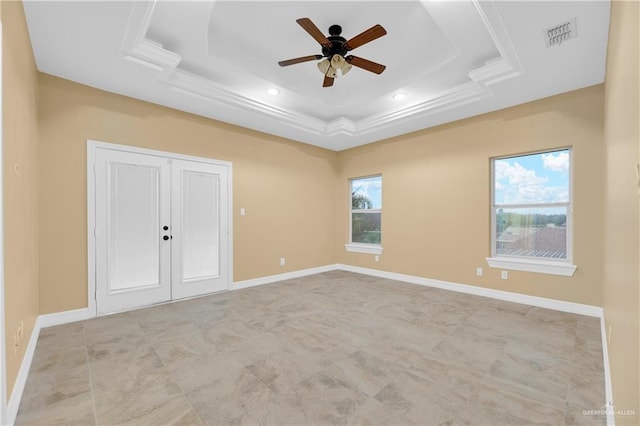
(166, 237)
(166, 228)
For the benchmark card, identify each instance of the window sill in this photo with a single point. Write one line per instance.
(530, 265)
(364, 248)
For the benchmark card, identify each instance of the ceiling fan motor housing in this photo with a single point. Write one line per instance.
(337, 43)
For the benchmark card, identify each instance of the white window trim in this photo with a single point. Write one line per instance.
(362, 247)
(532, 265)
(529, 264)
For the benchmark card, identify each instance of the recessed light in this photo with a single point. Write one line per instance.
(399, 96)
(273, 91)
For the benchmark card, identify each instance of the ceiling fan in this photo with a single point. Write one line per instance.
(335, 48)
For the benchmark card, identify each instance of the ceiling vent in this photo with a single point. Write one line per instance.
(560, 33)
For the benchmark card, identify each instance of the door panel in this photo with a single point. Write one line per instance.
(132, 206)
(199, 227)
(132, 226)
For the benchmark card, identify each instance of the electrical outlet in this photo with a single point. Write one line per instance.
(479, 272)
(242, 211)
(504, 275)
(282, 261)
(376, 258)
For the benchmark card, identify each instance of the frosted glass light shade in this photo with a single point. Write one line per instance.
(324, 65)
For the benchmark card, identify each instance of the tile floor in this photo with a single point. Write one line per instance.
(333, 348)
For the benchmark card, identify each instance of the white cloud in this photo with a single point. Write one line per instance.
(516, 174)
(556, 162)
(515, 184)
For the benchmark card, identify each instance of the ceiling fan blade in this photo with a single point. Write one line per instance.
(371, 34)
(313, 31)
(299, 60)
(328, 81)
(365, 64)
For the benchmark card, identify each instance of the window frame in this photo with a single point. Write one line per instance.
(564, 267)
(367, 248)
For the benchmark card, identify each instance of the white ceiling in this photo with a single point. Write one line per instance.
(453, 59)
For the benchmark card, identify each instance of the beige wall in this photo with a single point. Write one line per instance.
(20, 140)
(621, 275)
(436, 191)
(287, 188)
(436, 195)
(296, 196)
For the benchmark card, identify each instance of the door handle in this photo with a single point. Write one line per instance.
(165, 228)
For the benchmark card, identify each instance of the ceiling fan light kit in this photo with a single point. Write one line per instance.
(334, 51)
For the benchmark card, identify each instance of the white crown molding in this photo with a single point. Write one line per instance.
(495, 26)
(139, 49)
(341, 126)
(139, 21)
(459, 95)
(202, 87)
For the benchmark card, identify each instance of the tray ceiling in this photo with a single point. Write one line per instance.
(452, 59)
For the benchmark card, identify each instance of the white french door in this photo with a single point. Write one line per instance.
(161, 229)
(199, 223)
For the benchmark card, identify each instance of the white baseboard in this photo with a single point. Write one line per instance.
(608, 389)
(541, 302)
(58, 318)
(281, 277)
(23, 374)
(43, 321)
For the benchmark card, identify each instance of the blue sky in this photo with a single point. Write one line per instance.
(535, 178)
(370, 187)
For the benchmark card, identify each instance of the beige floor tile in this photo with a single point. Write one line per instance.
(113, 344)
(500, 403)
(108, 325)
(228, 332)
(537, 380)
(230, 399)
(138, 367)
(184, 346)
(281, 371)
(66, 336)
(279, 409)
(332, 348)
(58, 359)
(328, 400)
(366, 372)
(421, 400)
(54, 386)
(77, 410)
(195, 372)
(136, 399)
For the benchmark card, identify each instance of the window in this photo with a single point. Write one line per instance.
(531, 213)
(366, 215)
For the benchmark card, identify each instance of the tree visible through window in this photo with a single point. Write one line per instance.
(366, 210)
(531, 205)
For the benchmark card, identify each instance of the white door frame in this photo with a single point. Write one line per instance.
(3, 351)
(92, 145)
